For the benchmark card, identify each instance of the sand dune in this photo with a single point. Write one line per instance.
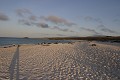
(77, 61)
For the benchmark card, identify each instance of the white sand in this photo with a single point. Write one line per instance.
(78, 61)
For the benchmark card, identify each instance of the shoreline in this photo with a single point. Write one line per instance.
(70, 42)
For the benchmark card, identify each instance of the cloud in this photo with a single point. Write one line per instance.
(104, 29)
(57, 20)
(3, 17)
(42, 25)
(60, 29)
(55, 27)
(116, 20)
(30, 23)
(23, 12)
(33, 18)
(108, 30)
(89, 18)
(90, 30)
(60, 35)
(45, 34)
(25, 22)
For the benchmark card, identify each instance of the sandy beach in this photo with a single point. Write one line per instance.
(76, 61)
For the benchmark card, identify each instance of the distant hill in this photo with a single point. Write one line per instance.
(87, 38)
(26, 37)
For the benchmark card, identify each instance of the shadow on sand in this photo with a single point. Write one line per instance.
(14, 63)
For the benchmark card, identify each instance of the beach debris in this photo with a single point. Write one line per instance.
(13, 44)
(43, 43)
(5, 47)
(56, 43)
(48, 43)
(10, 46)
(19, 45)
(70, 43)
(93, 45)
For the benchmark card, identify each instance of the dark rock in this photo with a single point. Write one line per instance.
(93, 45)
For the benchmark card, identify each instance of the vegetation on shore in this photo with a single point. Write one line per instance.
(104, 38)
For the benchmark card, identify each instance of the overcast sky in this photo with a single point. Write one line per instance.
(59, 18)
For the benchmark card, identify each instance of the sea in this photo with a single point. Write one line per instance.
(10, 41)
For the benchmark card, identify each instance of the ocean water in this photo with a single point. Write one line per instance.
(10, 41)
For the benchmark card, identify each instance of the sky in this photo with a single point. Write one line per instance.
(59, 18)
